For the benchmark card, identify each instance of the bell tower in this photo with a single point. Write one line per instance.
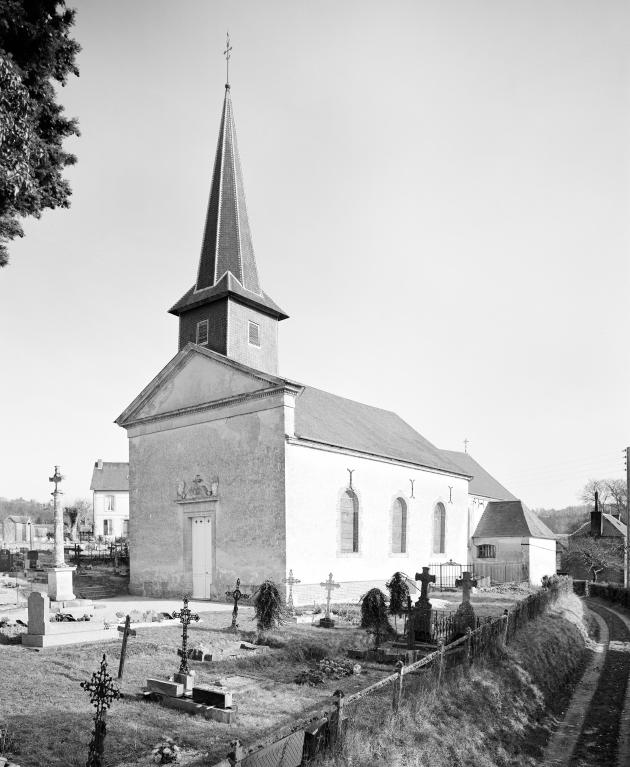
(226, 310)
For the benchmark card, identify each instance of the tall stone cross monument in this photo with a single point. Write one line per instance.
(465, 615)
(422, 617)
(60, 575)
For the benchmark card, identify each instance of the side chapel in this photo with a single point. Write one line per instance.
(238, 472)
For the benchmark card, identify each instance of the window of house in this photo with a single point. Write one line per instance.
(110, 503)
(202, 333)
(486, 551)
(108, 527)
(439, 529)
(254, 333)
(399, 527)
(349, 512)
(125, 531)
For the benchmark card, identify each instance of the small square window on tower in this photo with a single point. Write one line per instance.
(254, 333)
(202, 333)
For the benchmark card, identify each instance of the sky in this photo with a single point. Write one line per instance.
(438, 193)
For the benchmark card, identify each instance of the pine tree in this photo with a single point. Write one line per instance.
(374, 615)
(398, 593)
(35, 50)
(268, 606)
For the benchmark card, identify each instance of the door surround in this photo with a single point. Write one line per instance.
(206, 507)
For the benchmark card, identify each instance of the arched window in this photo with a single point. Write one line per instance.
(399, 527)
(349, 511)
(439, 529)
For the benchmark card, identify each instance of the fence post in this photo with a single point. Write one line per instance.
(441, 664)
(336, 730)
(506, 617)
(236, 754)
(398, 686)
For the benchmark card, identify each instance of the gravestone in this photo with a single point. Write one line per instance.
(422, 613)
(327, 622)
(465, 615)
(38, 613)
(6, 560)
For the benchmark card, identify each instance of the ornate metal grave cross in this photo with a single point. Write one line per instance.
(466, 582)
(236, 595)
(126, 632)
(291, 581)
(329, 585)
(425, 579)
(185, 617)
(102, 691)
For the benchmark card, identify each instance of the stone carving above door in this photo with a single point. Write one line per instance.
(197, 489)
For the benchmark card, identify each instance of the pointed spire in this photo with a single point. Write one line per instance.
(227, 241)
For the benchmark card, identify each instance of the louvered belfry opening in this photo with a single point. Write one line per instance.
(349, 509)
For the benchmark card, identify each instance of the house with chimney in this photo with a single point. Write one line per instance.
(607, 529)
(110, 499)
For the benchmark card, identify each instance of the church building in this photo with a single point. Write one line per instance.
(236, 471)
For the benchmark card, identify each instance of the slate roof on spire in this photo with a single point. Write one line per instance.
(227, 263)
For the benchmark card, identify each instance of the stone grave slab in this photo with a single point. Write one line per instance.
(212, 696)
(189, 706)
(164, 687)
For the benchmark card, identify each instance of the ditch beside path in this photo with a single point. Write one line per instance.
(596, 727)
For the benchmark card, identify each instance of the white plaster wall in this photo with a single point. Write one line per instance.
(316, 479)
(120, 512)
(542, 559)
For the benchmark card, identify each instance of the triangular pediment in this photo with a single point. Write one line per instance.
(193, 378)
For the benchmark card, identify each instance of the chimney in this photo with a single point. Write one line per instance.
(596, 519)
(99, 464)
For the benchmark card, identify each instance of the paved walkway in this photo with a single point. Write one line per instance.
(596, 727)
(123, 603)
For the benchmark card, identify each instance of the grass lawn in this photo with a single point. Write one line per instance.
(49, 719)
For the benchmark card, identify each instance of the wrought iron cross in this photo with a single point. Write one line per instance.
(102, 691)
(425, 579)
(185, 617)
(413, 482)
(228, 55)
(329, 585)
(350, 473)
(466, 582)
(236, 595)
(291, 581)
(450, 494)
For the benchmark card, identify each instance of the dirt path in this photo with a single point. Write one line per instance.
(596, 728)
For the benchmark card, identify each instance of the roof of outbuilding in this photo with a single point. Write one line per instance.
(481, 483)
(113, 476)
(332, 420)
(618, 527)
(510, 519)
(19, 519)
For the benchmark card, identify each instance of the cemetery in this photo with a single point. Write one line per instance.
(210, 679)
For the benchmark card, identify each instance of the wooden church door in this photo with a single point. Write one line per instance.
(202, 550)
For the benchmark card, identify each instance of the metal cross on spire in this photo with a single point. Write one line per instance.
(228, 54)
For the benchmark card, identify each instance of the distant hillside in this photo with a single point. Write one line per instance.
(564, 520)
(21, 507)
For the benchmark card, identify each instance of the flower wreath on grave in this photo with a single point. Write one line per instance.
(166, 752)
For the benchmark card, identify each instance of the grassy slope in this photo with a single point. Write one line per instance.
(492, 719)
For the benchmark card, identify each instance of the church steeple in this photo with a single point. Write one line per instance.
(226, 310)
(227, 241)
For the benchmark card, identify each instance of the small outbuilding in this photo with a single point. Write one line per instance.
(509, 533)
